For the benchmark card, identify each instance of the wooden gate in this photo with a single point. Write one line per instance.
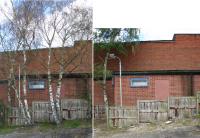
(99, 111)
(122, 116)
(75, 109)
(152, 110)
(41, 111)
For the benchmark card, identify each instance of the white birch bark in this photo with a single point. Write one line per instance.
(50, 90)
(58, 93)
(24, 88)
(9, 90)
(12, 85)
(105, 98)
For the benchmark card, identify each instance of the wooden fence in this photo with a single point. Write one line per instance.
(152, 110)
(182, 107)
(122, 116)
(99, 111)
(15, 117)
(41, 111)
(75, 109)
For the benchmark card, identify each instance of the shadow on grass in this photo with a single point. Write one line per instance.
(46, 126)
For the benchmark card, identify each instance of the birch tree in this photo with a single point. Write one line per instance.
(61, 30)
(23, 17)
(8, 45)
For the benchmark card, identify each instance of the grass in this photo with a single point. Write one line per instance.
(66, 124)
(77, 124)
(7, 129)
(44, 127)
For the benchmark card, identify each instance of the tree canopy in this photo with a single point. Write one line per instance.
(109, 38)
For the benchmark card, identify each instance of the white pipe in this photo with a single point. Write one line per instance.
(19, 84)
(120, 81)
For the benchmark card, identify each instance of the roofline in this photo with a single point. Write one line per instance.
(45, 48)
(158, 72)
(44, 76)
(162, 41)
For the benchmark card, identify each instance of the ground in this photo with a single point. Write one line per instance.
(185, 128)
(68, 129)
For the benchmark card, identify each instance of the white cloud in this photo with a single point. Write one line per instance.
(83, 3)
(5, 6)
(165, 33)
(158, 19)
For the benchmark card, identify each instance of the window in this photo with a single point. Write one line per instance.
(36, 84)
(139, 82)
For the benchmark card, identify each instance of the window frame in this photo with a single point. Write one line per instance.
(37, 81)
(144, 86)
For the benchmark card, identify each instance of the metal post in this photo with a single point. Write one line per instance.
(19, 85)
(120, 77)
(120, 81)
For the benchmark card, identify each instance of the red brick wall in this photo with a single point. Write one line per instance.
(98, 93)
(178, 87)
(71, 88)
(183, 53)
(3, 93)
(196, 84)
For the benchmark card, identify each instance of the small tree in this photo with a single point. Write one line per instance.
(107, 39)
(22, 18)
(62, 29)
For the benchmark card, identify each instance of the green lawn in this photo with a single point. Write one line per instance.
(42, 127)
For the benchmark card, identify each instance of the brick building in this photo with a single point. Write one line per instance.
(76, 79)
(155, 70)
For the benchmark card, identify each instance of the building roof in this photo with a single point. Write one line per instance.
(78, 60)
(180, 53)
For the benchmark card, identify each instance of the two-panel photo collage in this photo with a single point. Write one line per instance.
(61, 77)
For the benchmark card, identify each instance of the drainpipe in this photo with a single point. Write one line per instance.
(19, 79)
(191, 85)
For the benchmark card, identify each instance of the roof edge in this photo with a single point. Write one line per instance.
(159, 72)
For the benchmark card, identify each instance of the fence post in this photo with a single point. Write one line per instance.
(168, 108)
(197, 96)
(138, 111)
(33, 112)
(107, 115)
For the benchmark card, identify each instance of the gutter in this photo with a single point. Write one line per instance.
(158, 72)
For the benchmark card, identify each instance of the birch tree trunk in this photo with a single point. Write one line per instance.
(24, 88)
(50, 89)
(105, 98)
(58, 92)
(13, 86)
(9, 91)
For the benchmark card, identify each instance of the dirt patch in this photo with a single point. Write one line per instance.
(183, 128)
